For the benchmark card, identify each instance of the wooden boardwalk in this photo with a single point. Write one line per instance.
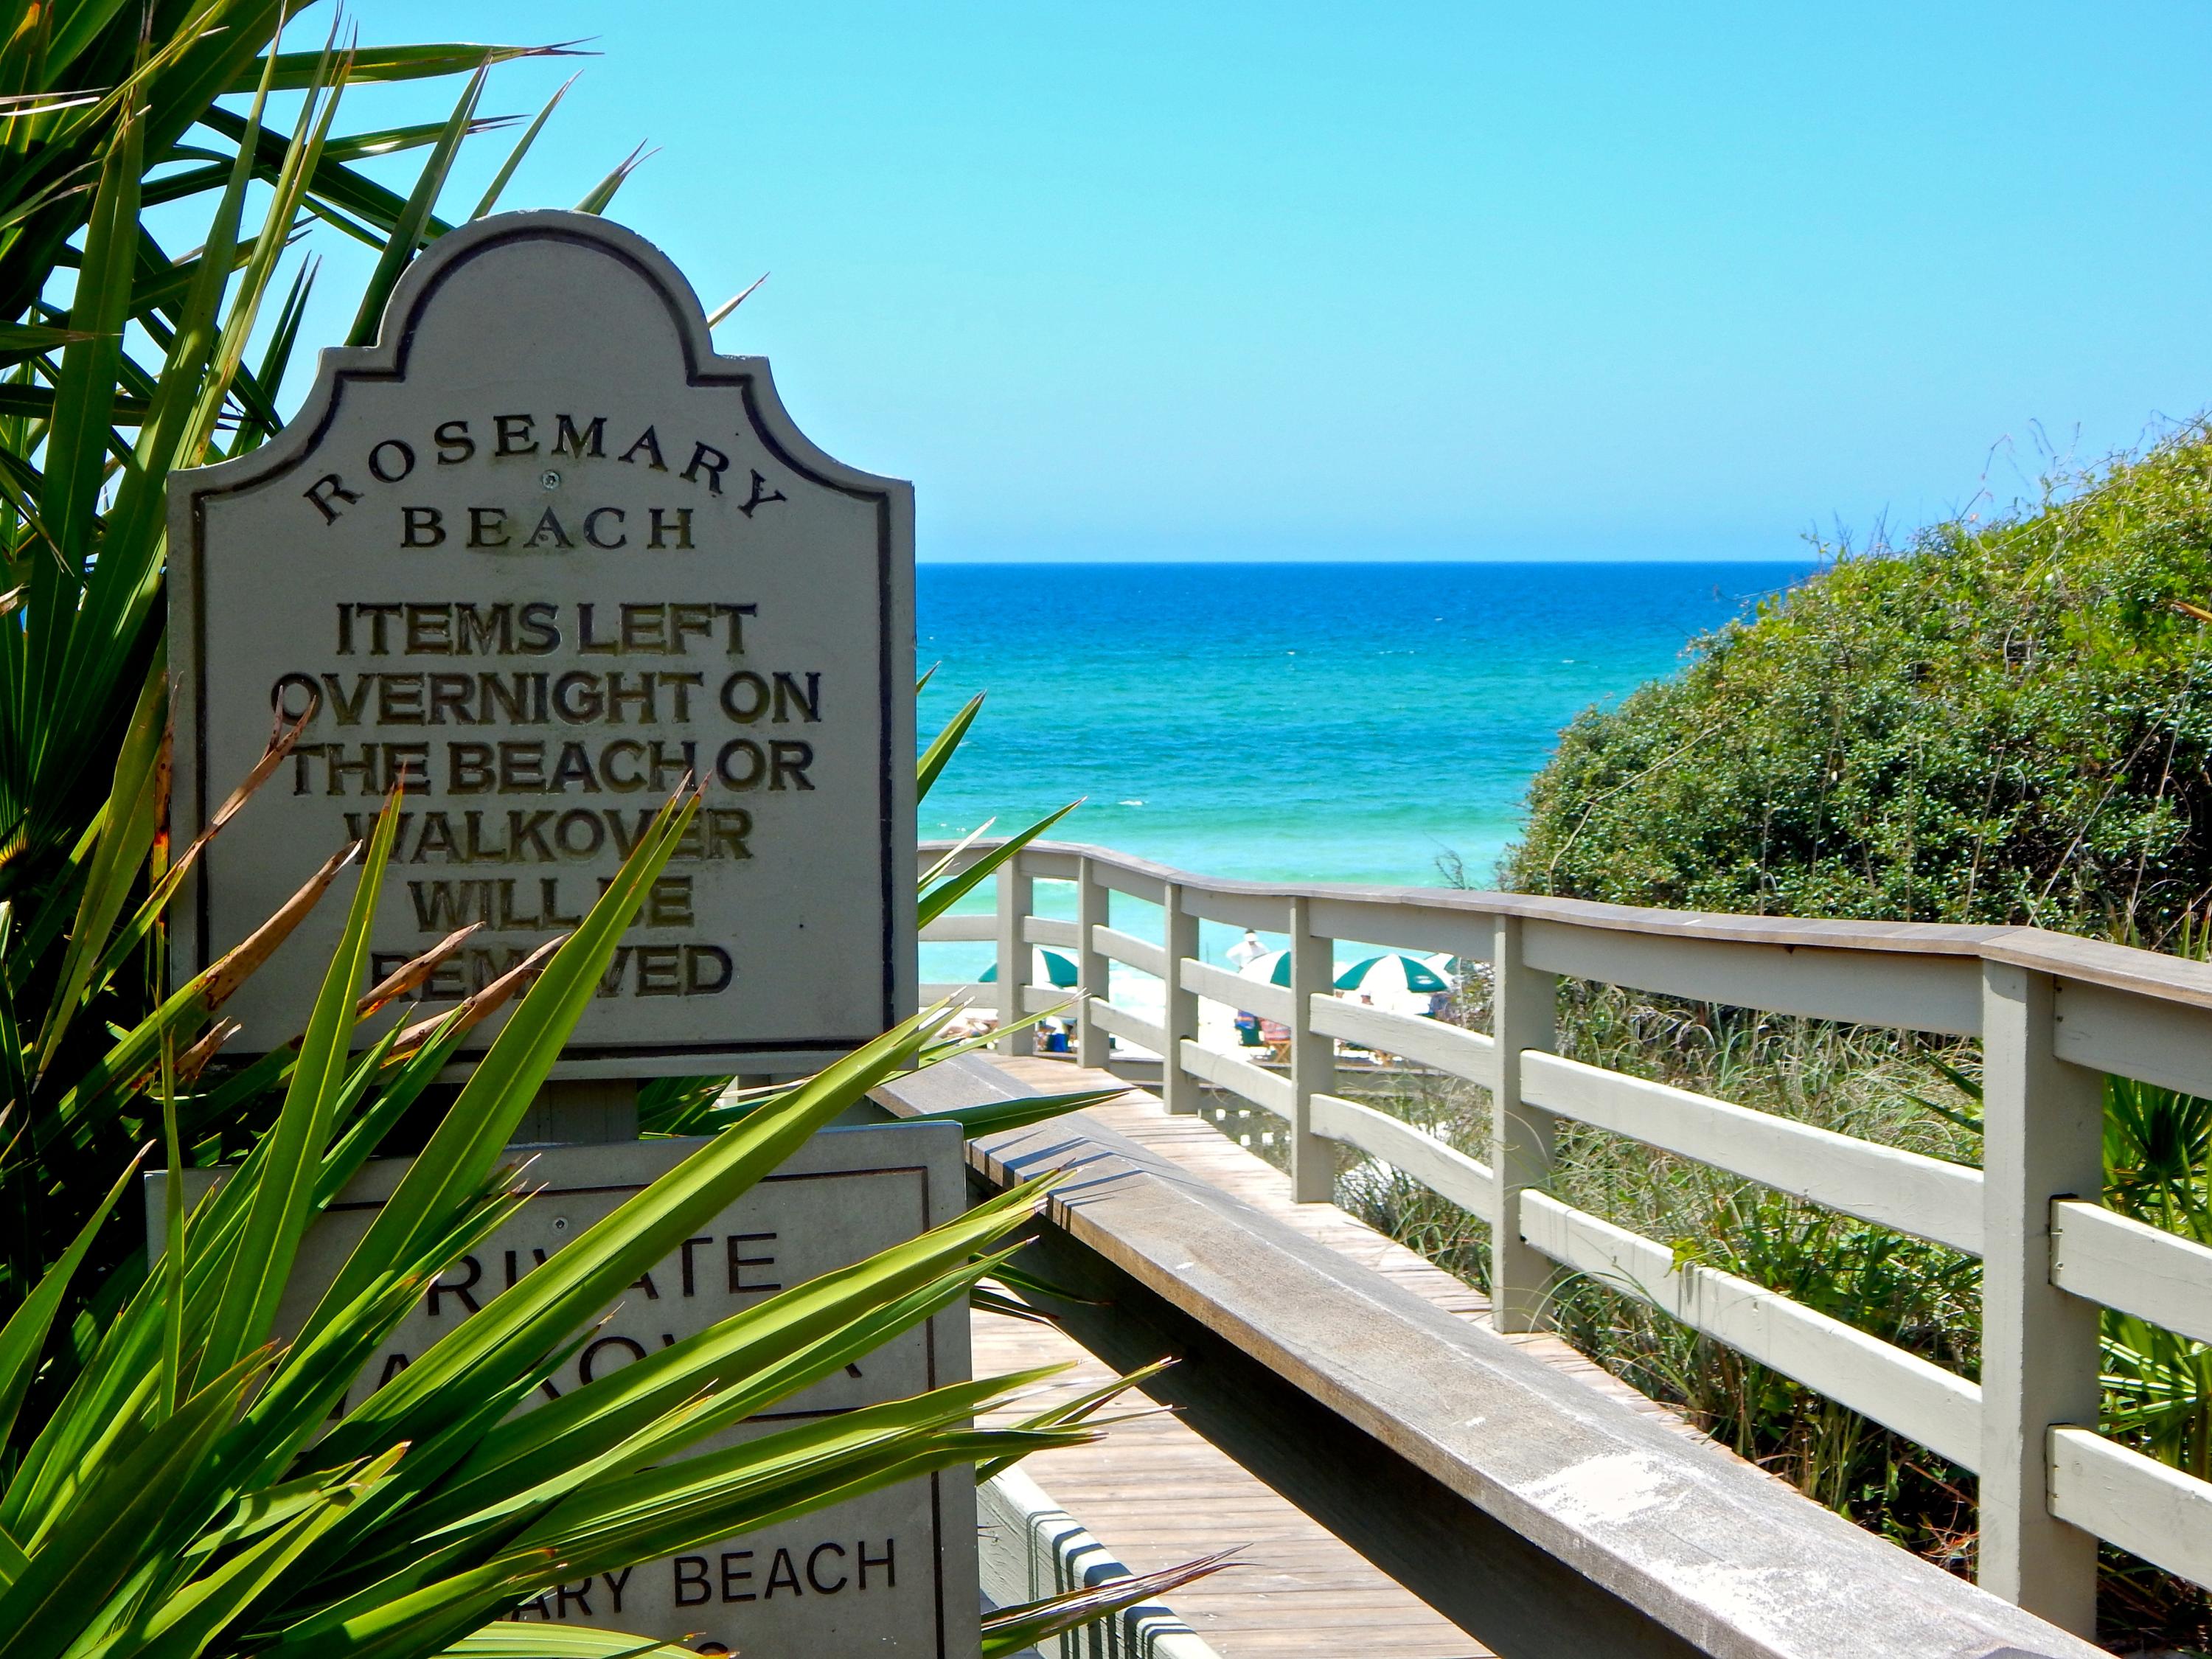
(1155, 1493)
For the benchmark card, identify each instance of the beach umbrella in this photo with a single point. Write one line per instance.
(1272, 969)
(1046, 968)
(1396, 974)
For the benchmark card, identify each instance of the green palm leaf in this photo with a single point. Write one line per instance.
(171, 1484)
(296, 69)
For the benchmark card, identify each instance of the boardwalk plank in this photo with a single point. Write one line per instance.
(1155, 1493)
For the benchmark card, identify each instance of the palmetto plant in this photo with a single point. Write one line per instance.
(123, 363)
(171, 1482)
(192, 1494)
(121, 359)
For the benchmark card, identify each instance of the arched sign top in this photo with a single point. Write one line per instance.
(535, 556)
(473, 252)
(581, 280)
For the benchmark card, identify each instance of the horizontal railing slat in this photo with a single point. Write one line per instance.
(1262, 1088)
(2118, 1032)
(1045, 930)
(1129, 1027)
(1049, 864)
(2103, 1256)
(1914, 991)
(1265, 915)
(949, 929)
(1924, 1196)
(2142, 1505)
(1135, 883)
(967, 991)
(1901, 1390)
(1444, 1171)
(1403, 927)
(1125, 947)
(1255, 996)
(1469, 1054)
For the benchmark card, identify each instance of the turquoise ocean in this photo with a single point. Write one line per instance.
(1294, 721)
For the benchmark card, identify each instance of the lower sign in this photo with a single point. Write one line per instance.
(893, 1572)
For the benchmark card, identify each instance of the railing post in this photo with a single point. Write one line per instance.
(1179, 937)
(1524, 1015)
(2043, 1139)
(1091, 968)
(1016, 892)
(1313, 1061)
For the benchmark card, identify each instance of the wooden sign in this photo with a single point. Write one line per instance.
(891, 1573)
(540, 554)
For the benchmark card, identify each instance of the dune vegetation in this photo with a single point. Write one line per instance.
(1999, 723)
(2002, 723)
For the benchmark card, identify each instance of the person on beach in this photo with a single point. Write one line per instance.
(1246, 951)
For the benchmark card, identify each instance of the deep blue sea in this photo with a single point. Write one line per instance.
(1329, 722)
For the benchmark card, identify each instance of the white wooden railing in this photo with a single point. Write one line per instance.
(2052, 1012)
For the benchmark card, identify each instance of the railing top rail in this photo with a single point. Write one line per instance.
(2123, 968)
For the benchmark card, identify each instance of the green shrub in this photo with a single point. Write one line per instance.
(2002, 724)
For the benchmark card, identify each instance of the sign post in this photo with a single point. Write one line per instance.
(537, 557)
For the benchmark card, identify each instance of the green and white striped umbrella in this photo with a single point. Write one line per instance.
(1396, 974)
(1046, 968)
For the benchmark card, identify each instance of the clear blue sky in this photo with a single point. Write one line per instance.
(1413, 280)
